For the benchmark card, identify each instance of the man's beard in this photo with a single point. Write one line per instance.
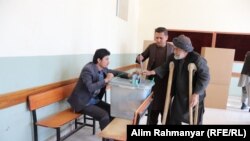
(177, 57)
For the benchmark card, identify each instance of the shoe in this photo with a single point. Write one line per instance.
(249, 110)
(243, 106)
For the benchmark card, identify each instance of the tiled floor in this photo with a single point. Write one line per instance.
(232, 115)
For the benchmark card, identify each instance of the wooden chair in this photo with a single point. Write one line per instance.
(117, 128)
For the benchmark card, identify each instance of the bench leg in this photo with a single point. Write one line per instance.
(84, 119)
(93, 126)
(35, 133)
(90, 118)
(75, 123)
(58, 134)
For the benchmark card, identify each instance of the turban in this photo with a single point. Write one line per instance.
(183, 42)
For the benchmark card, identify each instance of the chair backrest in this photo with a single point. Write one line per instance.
(142, 109)
(42, 99)
(117, 128)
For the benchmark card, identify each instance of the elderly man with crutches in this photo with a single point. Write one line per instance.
(188, 78)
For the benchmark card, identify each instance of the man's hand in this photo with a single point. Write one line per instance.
(131, 74)
(108, 77)
(139, 58)
(194, 100)
(147, 73)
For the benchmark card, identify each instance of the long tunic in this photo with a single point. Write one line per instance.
(244, 80)
(179, 109)
(158, 56)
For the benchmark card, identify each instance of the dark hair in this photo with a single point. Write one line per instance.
(162, 29)
(100, 53)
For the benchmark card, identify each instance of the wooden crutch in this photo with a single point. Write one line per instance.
(167, 100)
(192, 68)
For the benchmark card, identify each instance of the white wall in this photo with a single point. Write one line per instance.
(46, 41)
(205, 15)
(56, 27)
(202, 15)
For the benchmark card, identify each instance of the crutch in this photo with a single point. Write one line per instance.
(142, 77)
(167, 100)
(192, 68)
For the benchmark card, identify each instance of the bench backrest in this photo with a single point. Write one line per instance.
(42, 99)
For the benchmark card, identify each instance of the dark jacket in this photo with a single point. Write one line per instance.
(180, 84)
(87, 84)
(159, 88)
(246, 66)
(150, 54)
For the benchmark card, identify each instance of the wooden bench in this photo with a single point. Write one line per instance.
(117, 128)
(57, 120)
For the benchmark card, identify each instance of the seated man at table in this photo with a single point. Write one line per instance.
(91, 86)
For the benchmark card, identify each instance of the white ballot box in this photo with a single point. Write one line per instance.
(126, 97)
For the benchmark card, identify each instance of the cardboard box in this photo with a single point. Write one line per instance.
(220, 63)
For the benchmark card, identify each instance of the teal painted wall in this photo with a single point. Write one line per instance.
(19, 73)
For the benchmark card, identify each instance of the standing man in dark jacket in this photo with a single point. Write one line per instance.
(157, 53)
(182, 57)
(91, 86)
